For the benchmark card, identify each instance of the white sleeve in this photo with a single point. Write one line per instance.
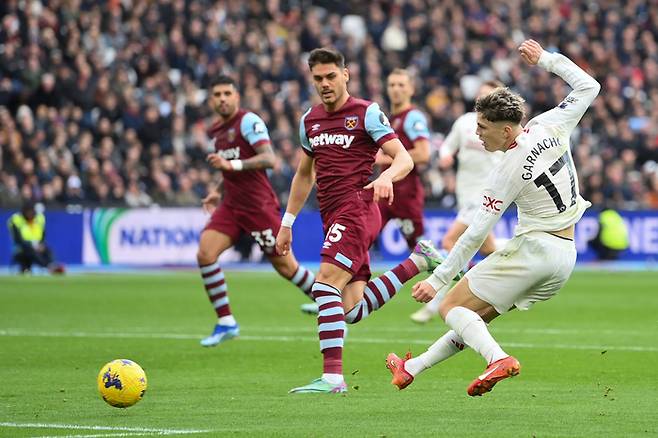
(501, 190)
(451, 144)
(568, 113)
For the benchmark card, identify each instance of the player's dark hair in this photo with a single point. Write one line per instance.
(223, 80)
(325, 55)
(501, 105)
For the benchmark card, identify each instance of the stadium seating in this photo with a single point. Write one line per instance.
(105, 105)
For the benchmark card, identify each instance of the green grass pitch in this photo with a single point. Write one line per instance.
(589, 363)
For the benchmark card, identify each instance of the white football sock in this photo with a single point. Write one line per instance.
(334, 379)
(419, 261)
(227, 320)
(446, 346)
(472, 329)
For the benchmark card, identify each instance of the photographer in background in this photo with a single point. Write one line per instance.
(28, 231)
(612, 238)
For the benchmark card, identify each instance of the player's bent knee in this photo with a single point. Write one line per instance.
(324, 277)
(325, 274)
(445, 306)
(206, 257)
(455, 297)
(332, 275)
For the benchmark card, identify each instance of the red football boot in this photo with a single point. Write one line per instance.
(401, 378)
(495, 372)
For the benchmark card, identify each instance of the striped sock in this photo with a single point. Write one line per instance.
(303, 279)
(331, 326)
(380, 290)
(213, 281)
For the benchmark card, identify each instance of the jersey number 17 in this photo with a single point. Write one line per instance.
(545, 181)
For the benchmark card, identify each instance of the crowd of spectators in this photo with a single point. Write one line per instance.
(104, 102)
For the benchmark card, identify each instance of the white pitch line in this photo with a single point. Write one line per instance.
(98, 435)
(134, 430)
(437, 329)
(351, 339)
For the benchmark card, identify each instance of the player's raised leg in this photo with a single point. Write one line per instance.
(211, 244)
(380, 290)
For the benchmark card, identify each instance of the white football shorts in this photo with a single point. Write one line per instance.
(531, 267)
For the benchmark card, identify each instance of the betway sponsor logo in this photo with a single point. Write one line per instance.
(324, 139)
(230, 154)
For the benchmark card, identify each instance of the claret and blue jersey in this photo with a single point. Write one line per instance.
(410, 126)
(237, 139)
(343, 144)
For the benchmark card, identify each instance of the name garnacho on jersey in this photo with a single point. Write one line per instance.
(536, 172)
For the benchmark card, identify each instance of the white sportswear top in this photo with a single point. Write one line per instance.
(474, 161)
(536, 173)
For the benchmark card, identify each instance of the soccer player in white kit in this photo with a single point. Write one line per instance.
(538, 175)
(474, 162)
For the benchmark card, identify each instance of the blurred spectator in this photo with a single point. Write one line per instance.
(10, 196)
(185, 196)
(103, 103)
(136, 197)
(27, 229)
(612, 237)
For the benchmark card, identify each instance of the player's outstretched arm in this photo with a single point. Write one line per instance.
(400, 167)
(302, 184)
(500, 192)
(463, 251)
(585, 88)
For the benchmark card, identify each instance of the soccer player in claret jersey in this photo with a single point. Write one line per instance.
(248, 205)
(538, 175)
(410, 125)
(340, 138)
(474, 163)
